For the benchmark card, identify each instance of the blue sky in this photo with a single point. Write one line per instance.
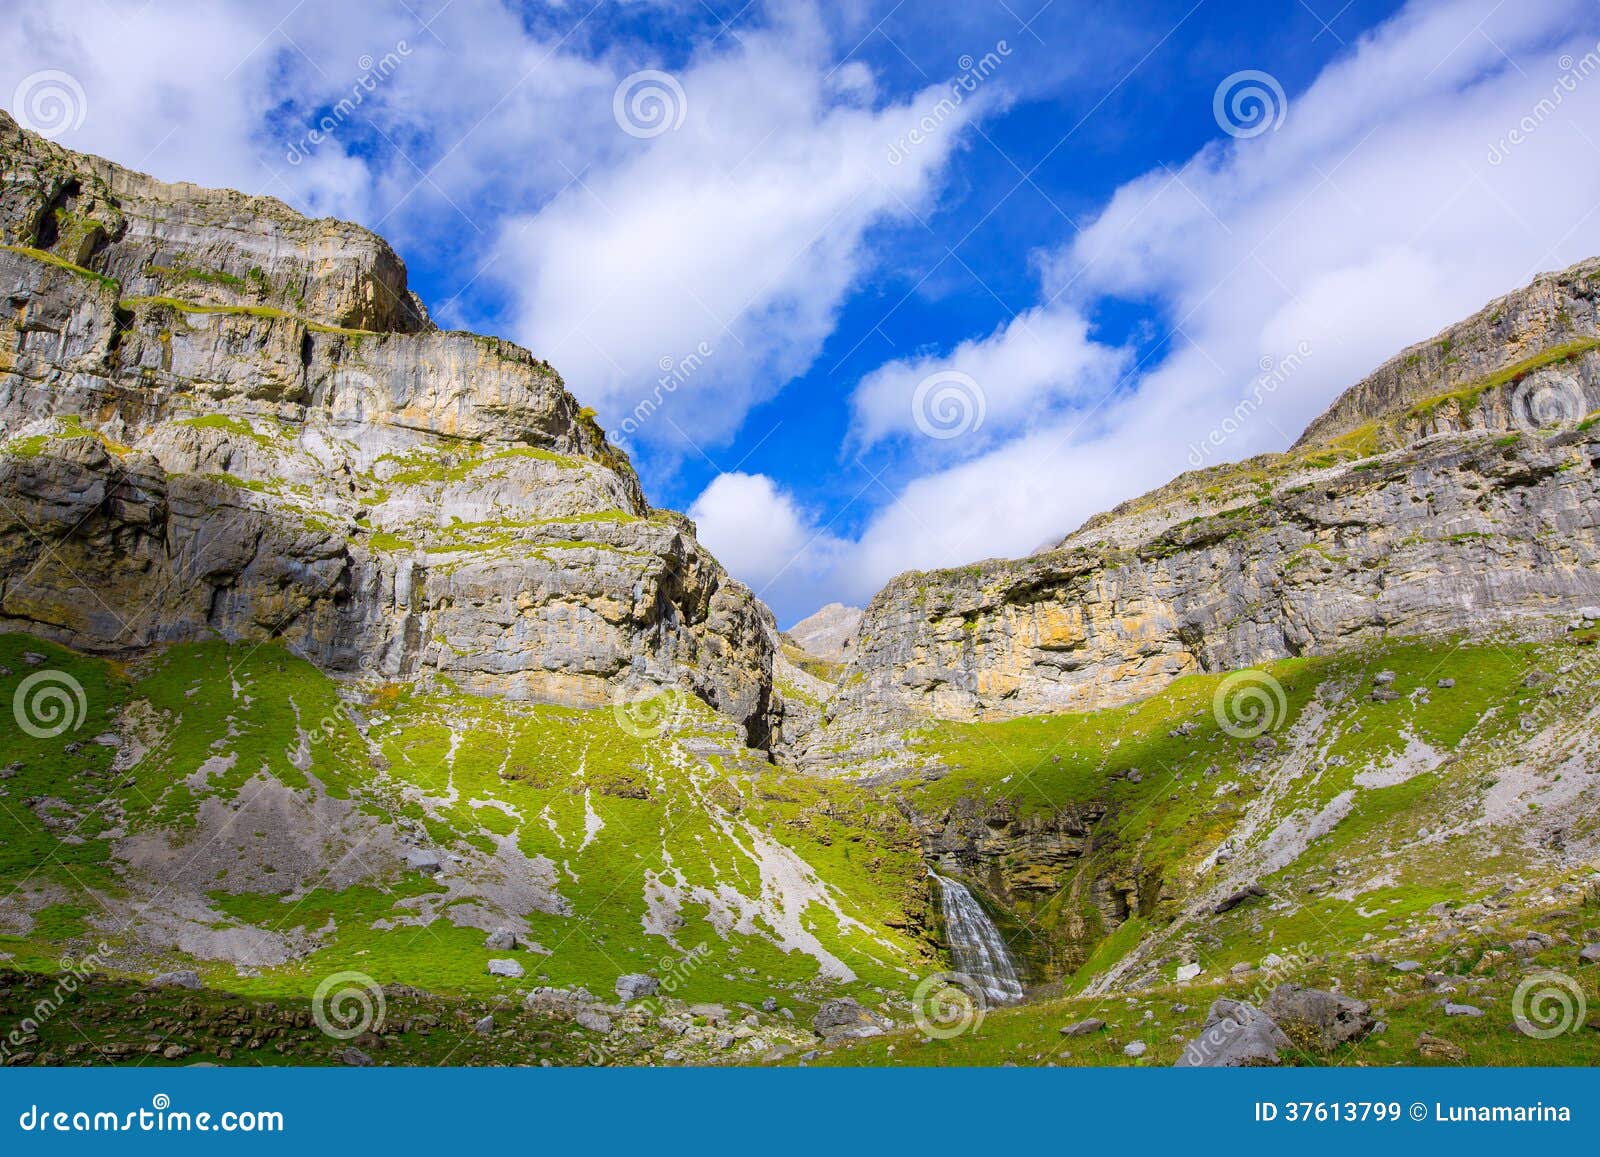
(932, 281)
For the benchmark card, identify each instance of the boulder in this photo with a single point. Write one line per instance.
(1316, 1019)
(1235, 1035)
(354, 1056)
(505, 968)
(183, 978)
(1134, 1049)
(1590, 954)
(843, 1019)
(1229, 903)
(636, 986)
(1438, 1049)
(593, 1020)
(1084, 1027)
(424, 860)
(501, 940)
(484, 1027)
(1453, 1009)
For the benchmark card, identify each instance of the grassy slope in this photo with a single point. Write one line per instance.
(1363, 887)
(538, 775)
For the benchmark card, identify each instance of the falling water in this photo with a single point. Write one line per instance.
(975, 943)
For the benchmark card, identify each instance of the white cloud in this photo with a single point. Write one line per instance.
(1371, 219)
(1041, 358)
(765, 538)
(743, 229)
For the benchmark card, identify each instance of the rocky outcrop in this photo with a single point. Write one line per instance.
(1544, 336)
(226, 420)
(1484, 513)
(1045, 875)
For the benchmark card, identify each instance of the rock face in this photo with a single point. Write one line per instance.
(1023, 864)
(1467, 498)
(224, 419)
(829, 633)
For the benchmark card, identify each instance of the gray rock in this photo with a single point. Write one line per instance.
(1446, 683)
(1317, 1019)
(769, 1004)
(484, 1027)
(1235, 1035)
(843, 1018)
(1452, 1009)
(354, 1056)
(501, 940)
(593, 1020)
(1383, 678)
(1406, 965)
(636, 986)
(425, 860)
(1134, 1049)
(502, 967)
(183, 978)
(1086, 1027)
(1590, 954)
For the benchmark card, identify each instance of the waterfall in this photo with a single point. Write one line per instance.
(975, 943)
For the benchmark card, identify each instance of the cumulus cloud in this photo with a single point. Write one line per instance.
(742, 228)
(765, 538)
(1394, 199)
(1038, 360)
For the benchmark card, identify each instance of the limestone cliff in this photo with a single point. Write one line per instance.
(1455, 490)
(226, 420)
